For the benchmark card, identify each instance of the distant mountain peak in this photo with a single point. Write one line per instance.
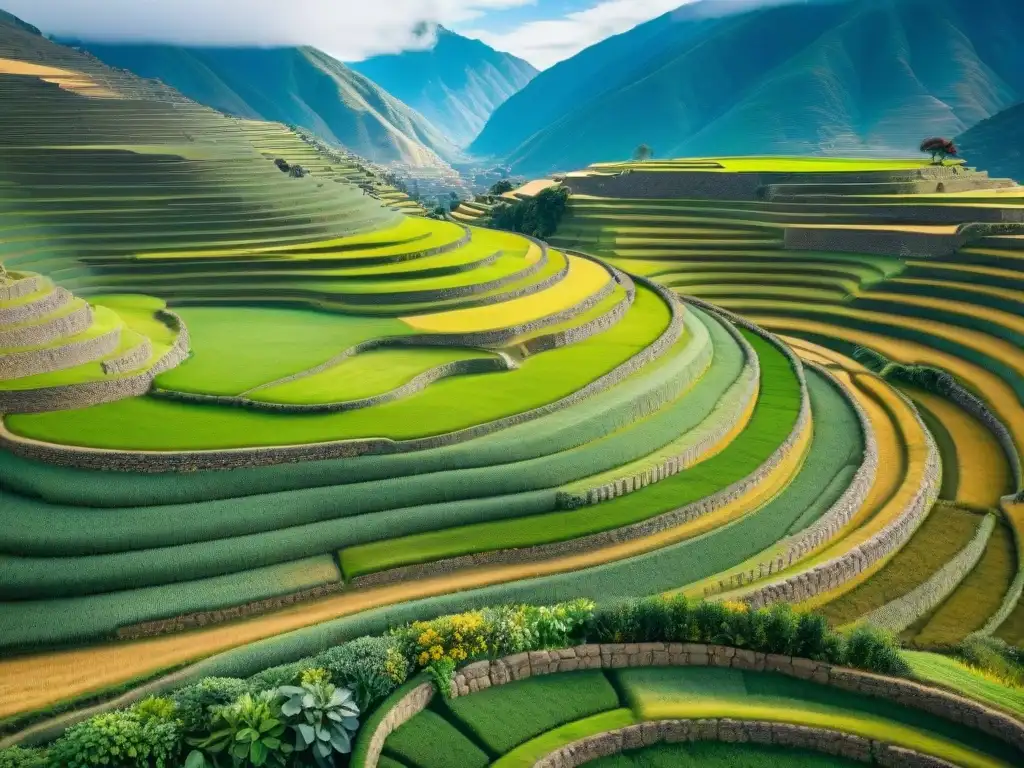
(457, 84)
(14, 21)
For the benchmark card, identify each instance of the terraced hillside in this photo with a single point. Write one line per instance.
(376, 418)
(411, 409)
(900, 267)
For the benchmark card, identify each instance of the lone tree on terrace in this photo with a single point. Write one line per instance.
(642, 153)
(939, 149)
(501, 187)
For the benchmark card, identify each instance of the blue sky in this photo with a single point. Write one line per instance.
(540, 31)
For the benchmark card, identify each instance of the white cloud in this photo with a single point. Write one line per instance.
(347, 29)
(547, 42)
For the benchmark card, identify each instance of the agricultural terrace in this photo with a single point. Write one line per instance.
(257, 411)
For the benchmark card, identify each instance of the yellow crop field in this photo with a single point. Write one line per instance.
(583, 279)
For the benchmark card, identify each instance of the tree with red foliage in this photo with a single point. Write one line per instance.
(939, 148)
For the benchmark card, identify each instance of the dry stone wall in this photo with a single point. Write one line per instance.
(482, 675)
(49, 330)
(48, 359)
(729, 731)
(90, 393)
(826, 527)
(647, 527)
(899, 614)
(186, 461)
(685, 452)
(19, 287)
(129, 361)
(837, 571)
(35, 310)
(902, 243)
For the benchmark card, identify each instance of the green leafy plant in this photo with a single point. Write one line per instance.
(123, 738)
(372, 667)
(874, 649)
(248, 732)
(323, 716)
(194, 702)
(21, 757)
(441, 672)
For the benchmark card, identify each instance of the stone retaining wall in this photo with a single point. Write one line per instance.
(837, 571)
(188, 621)
(187, 461)
(20, 287)
(640, 184)
(904, 244)
(723, 419)
(90, 393)
(405, 710)
(729, 731)
(502, 362)
(48, 359)
(644, 528)
(482, 675)
(900, 613)
(35, 310)
(130, 360)
(826, 527)
(49, 330)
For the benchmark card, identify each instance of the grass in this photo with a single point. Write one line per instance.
(975, 599)
(230, 347)
(154, 424)
(944, 532)
(365, 375)
(948, 672)
(701, 692)
(773, 420)
(946, 445)
(430, 741)
(526, 755)
(503, 717)
(709, 754)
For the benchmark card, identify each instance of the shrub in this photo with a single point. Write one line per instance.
(249, 732)
(156, 708)
(371, 666)
(194, 701)
(20, 757)
(876, 650)
(441, 672)
(814, 639)
(780, 629)
(119, 739)
(994, 657)
(275, 677)
(537, 216)
(323, 716)
(710, 619)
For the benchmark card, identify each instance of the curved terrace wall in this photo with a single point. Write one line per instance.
(49, 330)
(837, 571)
(185, 461)
(481, 675)
(832, 522)
(73, 396)
(644, 528)
(894, 242)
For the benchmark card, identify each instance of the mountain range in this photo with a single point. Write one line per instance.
(997, 144)
(817, 77)
(294, 85)
(456, 84)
